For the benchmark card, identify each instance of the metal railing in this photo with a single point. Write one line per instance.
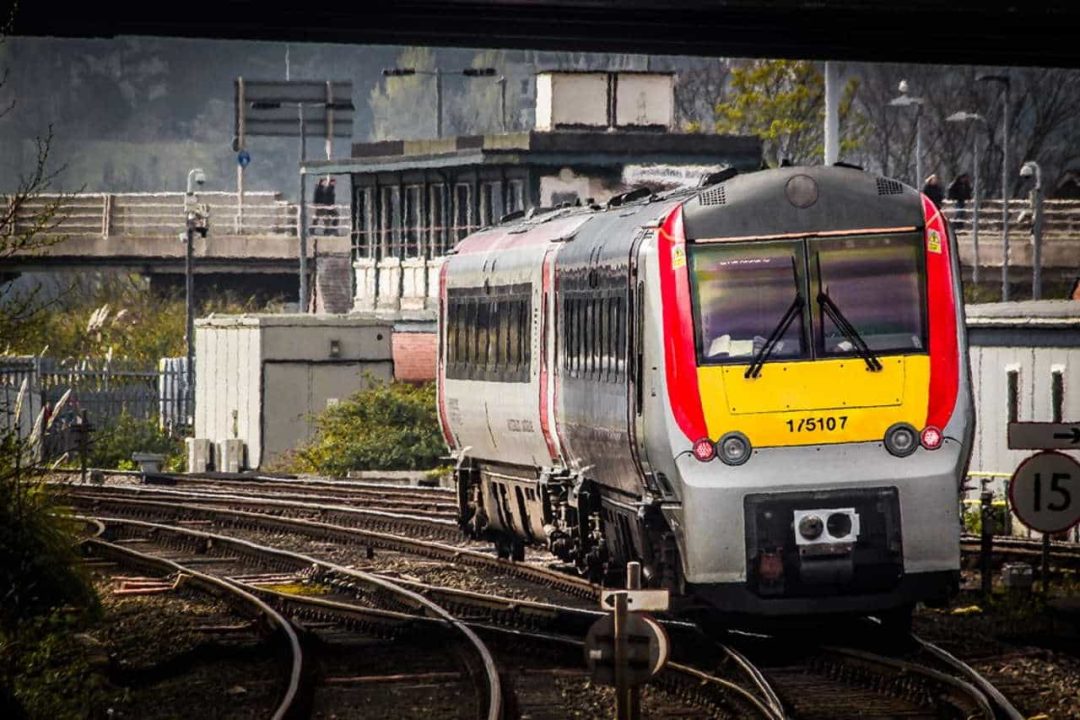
(137, 215)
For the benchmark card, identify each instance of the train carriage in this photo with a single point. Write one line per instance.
(758, 388)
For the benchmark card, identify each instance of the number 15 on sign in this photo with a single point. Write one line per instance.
(1045, 492)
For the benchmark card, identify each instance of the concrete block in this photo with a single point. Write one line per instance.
(232, 455)
(199, 457)
(148, 462)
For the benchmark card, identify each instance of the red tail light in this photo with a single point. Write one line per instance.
(931, 437)
(704, 450)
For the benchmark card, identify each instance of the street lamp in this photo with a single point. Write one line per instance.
(905, 100)
(963, 116)
(438, 74)
(1003, 80)
(1032, 169)
(196, 221)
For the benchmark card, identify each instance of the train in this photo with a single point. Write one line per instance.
(758, 388)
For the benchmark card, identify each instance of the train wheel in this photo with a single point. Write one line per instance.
(517, 550)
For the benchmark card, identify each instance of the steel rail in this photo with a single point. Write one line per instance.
(380, 519)
(494, 704)
(1006, 709)
(426, 548)
(287, 706)
(950, 688)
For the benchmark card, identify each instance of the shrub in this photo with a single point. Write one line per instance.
(385, 427)
(38, 568)
(113, 445)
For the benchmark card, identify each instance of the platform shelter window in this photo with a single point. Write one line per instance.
(390, 221)
(515, 195)
(414, 220)
(488, 333)
(491, 203)
(463, 210)
(363, 226)
(437, 219)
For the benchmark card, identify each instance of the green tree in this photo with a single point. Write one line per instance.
(783, 103)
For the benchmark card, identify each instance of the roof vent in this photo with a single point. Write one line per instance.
(713, 196)
(885, 186)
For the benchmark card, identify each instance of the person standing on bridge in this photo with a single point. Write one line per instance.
(932, 190)
(321, 201)
(960, 192)
(331, 210)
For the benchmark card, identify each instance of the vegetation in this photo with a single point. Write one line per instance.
(108, 316)
(385, 427)
(113, 446)
(783, 103)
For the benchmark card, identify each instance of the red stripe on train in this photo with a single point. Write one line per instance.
(680, 357)
(444, 423)
(545, 325)
(941, 311)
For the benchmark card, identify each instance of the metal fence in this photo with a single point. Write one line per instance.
(135, 215)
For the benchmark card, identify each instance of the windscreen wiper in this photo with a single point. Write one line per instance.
(778, 332)
(831, 309)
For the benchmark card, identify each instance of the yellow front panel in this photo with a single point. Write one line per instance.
(807, 403)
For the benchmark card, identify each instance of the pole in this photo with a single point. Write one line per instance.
(633, 582)
(502, 102)
(1046, 563)
(240, 141)
(986, 549)
(189, 304)
(1036, 230)
(1005, 198)
(438, 103)
(975, 211)
(918, 146)
(302, 218)
(832, 114)
(239, 199)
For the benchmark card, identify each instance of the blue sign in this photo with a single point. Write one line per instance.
(243, 158)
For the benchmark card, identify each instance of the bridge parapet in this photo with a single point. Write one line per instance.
(161, 214)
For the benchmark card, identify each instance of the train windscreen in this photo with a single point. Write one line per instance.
(878, 284)
(840, 291)
(742, 295)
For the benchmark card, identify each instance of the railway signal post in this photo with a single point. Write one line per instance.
(1045, 489)
(626, 648)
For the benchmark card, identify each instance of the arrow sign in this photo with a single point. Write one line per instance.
(637, 600)
(1044, 436)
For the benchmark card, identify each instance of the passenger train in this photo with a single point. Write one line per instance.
(758, 388)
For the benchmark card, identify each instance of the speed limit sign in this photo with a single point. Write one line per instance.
(1045, 492)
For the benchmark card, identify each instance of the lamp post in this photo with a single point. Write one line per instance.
(194, 221)
(438, 74)
(905, 100)
(1003, 80)
(1032, 169)
(963, 116)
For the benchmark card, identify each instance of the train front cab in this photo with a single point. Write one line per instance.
(826, 412)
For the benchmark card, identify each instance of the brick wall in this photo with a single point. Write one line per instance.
(414, 355)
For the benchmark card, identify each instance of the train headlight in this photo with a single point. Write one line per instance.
(931, 437)
(810, 527)
(901, 439)
(704, 450)
(734, 448)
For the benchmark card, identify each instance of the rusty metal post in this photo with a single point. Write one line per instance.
(633, 582)
(986, 498)
(84, 431)
(1046, 564)
(622, 686)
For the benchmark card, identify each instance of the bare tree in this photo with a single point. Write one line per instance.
(698, 91)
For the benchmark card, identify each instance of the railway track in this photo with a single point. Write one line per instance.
(267, 620)
(360, 602)
(1063, 555)
(879, 676)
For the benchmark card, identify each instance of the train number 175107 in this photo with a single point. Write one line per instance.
(827, 423)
